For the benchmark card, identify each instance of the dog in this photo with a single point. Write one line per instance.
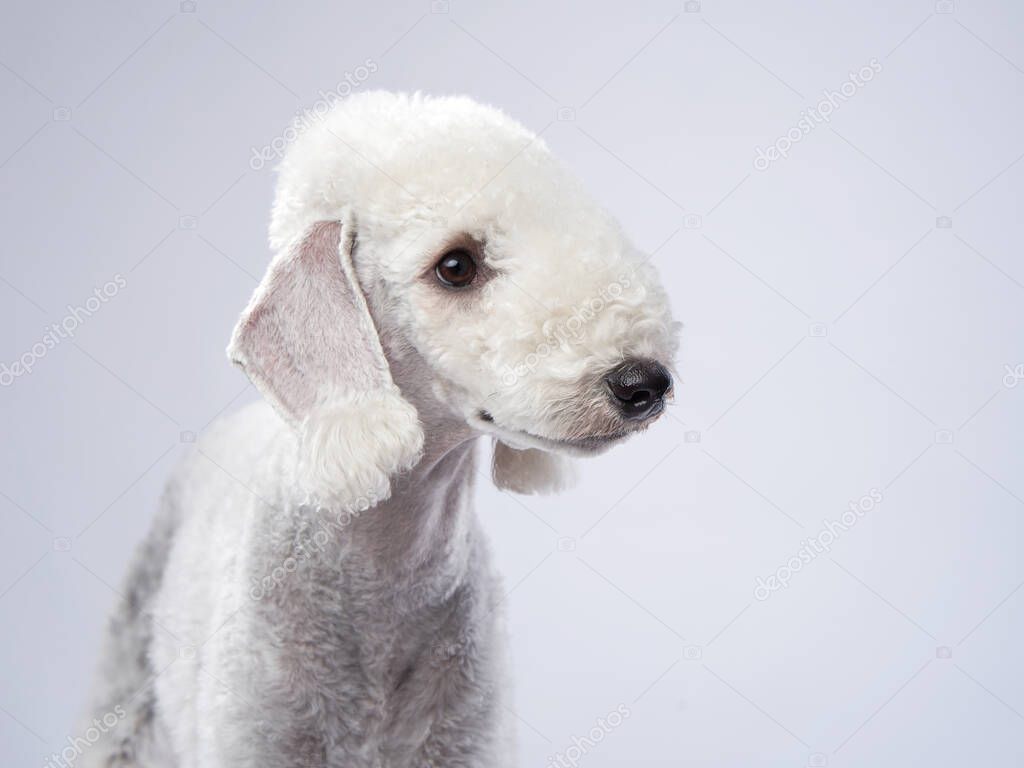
(316, 590)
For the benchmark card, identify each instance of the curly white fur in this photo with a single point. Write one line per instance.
(352, 447)
(531, 470)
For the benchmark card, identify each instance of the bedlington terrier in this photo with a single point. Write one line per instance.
(316, 590)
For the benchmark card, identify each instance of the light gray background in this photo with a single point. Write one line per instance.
(780, 423)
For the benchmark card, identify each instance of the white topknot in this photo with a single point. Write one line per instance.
(380, 152)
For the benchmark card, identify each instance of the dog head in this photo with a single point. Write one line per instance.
(437, 242)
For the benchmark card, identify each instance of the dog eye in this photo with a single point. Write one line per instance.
(456, 269)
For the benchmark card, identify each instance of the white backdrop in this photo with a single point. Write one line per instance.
(854, 334)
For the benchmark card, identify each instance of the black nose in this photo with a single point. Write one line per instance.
(638, 388)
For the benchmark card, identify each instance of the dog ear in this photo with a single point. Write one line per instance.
(531, 471)
(308, 343)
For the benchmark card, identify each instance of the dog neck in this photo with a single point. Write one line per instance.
(422, 535)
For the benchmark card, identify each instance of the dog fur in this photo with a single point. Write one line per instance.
(316, 590)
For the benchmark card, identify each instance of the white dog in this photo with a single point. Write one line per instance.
(316, 591)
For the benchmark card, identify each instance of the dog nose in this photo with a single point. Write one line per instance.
(638, 388)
